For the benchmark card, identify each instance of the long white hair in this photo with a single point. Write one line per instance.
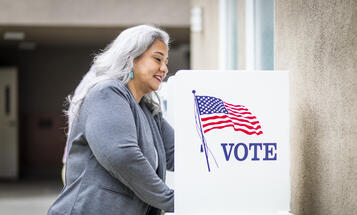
(116, 62)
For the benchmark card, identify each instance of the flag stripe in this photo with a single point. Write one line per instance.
(236, 129)
(233, 105)
(243, 120)
(239, 112)
(238, 117)
(208, 119)
(245, 117)
(230, 121)
(236, 109)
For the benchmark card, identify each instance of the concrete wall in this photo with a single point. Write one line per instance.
(316, 40)
(94, 12)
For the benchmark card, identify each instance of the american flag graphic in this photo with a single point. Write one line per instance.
(217, 114)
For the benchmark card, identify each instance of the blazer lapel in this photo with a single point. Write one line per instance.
(161, 170)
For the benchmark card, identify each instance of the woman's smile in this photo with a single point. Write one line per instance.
(158, 77)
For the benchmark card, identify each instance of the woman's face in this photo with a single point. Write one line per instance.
(150, 68)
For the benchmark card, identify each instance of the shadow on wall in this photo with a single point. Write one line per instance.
(306, 161)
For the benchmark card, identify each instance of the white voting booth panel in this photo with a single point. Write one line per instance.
(231, 142)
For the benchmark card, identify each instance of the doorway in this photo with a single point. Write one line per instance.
(9, 159)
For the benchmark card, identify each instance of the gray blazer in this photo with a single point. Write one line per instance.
(115, 146)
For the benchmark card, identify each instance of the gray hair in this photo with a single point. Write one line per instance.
(116, 62)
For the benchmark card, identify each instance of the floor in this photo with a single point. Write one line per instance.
(30, 196)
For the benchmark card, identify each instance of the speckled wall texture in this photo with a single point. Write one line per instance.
(316, 40)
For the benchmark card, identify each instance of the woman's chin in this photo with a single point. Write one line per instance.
(153, 89)
(156, 87)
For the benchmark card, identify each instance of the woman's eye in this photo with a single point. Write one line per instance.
(158, 59)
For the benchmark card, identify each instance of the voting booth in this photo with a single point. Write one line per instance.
(232, 151)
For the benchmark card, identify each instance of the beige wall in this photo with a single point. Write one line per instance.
(94, 12)
(316, 40)
(204, 45)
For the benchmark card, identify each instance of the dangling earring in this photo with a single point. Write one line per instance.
(131, 75)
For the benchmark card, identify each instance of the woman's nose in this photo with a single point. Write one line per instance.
(164, 68)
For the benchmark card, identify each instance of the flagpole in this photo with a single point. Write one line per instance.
(203, 137)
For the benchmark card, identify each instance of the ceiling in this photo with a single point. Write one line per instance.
(74, 36)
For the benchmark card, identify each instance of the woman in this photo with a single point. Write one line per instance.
(119, 146)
